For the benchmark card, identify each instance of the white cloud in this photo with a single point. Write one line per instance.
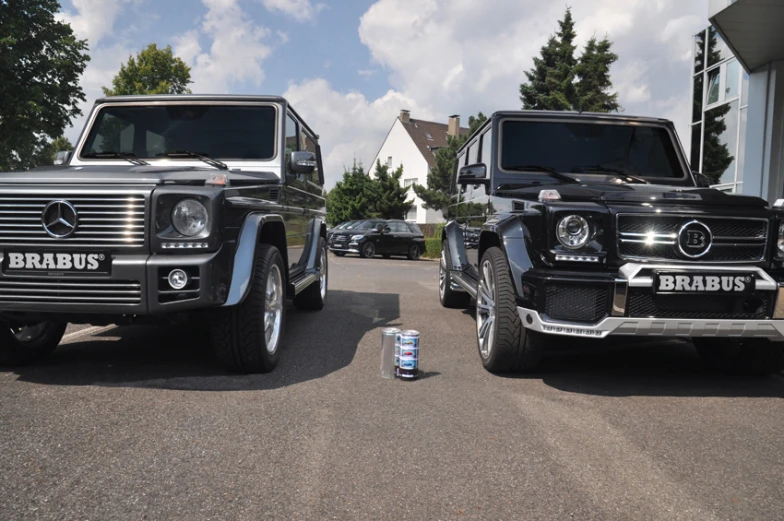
(93, 19)
(350, 125)
(236, 53)
(300, 10)
(366, 72)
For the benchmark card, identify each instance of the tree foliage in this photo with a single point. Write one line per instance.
(559, 81)
(436, 194)
(40, 64)
(47, 153)
(360, 196)
(716, 154)
(152, 71)
(390, 199)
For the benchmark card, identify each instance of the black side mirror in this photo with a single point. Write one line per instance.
(380, 227)
(302, 163)
(702, 180)
(473, 175)
(62, 157)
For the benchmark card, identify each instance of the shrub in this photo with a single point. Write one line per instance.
(433, 247)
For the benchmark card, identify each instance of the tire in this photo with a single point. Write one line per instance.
(339, 253)
(449, 297)
(504, 344)
(368, 250)
(314, 297)
(29, 344)
(239, 333)
(757, 356)
(414, 252)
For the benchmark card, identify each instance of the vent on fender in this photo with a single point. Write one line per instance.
(274, 195)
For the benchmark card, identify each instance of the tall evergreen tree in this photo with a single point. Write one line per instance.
(593, 78)
(390, 199)
(436, 194)
(352, 198)
(551, 81)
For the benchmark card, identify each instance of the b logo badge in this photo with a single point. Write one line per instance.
(694, 240)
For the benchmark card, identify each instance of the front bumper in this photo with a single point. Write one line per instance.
(598, 305)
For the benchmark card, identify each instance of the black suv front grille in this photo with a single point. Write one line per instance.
(654, 237)
(644, 304)
(576, 303)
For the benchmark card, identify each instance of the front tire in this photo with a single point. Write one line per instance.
(22, 345)
(368, 250)
(414, 252)
(754, 356)
(504, 344)
(339, 253)
(247, 337)
(314, 297)
(449, 297)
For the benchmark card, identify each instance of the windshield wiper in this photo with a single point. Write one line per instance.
(544, 169)
(131, 158)
(617, 172)
(220, 165)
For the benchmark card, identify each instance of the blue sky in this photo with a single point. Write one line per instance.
(349, 66)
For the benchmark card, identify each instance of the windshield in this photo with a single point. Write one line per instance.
(155, 131)
(367, 225)
(571, 147)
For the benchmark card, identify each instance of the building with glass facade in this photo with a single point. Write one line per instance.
(737, 132)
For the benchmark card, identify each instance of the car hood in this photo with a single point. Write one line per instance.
(611, 193)
(144, 175)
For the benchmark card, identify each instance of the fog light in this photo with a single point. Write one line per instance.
(178, 279)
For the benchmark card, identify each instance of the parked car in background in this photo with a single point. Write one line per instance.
(341, 226)
(379, 237)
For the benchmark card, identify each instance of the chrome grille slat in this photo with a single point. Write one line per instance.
(76, 291)
(107, 218)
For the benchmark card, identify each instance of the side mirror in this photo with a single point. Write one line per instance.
(473, 175)
(380, 227)
(62, 157)
(302, 163)
(702, 180)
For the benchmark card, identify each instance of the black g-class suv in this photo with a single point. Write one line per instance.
(591, 225)
(169, 207)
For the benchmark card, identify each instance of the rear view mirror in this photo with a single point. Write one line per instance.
(302, 162)
(62, 157)
(473, 175)
(702, 180)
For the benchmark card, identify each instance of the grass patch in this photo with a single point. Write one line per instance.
(433, 245)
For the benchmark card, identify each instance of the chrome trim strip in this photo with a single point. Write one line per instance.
(631, 272)
(460, 279)
(304, 282)
(656, 327)
(646, 241)
(619, 297)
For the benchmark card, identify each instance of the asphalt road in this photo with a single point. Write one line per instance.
(139, 423)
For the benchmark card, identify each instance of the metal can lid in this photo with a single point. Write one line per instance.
(410, 332)
(390, 331)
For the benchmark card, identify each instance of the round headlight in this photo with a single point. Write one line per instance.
(573, 232)
(190, 217)
(781, 239)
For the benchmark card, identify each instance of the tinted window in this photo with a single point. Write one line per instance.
(487, 151)
(292, 136)
(415, 228)
(399, 227)
(473, 153)
(367, 225)
(584, 147)
(311, 146)
(223, 132)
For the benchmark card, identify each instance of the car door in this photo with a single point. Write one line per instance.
(402, 237)
(384, 238)
(474, 210)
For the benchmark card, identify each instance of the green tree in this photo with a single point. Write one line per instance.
(47, 153)
(351, 198)
(390, 199)
(436, 194)
(551, 81)
(559, 81)
(40, 64)
(593, 85)
(152, 71)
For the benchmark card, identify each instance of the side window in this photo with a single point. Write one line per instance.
(399, 228)
(292, 135)
(487, 149)
(473, 153)
(456, 188)
(309, 144)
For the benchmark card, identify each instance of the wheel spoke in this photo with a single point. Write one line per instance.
(485, 328)
(487, 308)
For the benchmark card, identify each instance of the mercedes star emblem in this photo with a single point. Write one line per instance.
(59, 219)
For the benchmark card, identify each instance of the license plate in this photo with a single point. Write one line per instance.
(56, 262)
(704, 283)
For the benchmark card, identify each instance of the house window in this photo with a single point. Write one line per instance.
(428, 136)
(389, 161)
(412, 214)
(409, 182)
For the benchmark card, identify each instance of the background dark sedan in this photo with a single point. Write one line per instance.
(379, 237)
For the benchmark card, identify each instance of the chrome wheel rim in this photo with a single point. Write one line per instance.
(323, 275)
(273, 308)
(442, 274)
(485, 310)
(27, 334)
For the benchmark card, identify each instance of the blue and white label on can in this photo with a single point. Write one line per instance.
(409, 364)
(408, 352)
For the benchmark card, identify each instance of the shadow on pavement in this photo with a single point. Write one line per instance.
(315, 345)
(621, 367)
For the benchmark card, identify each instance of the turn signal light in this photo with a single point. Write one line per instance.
(185, 245)
(577, 258)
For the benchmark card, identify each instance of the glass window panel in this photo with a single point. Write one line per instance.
(744, 92)
(292, 136)
(733, 80)
(744, 114)
(720, 142)
(487, 151)
(697, 101)
(699, 52)
(473, 152)
(714, 86)
(696, 140)
(717, 49)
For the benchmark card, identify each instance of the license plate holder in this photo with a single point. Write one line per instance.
(56, 263)
(704, 283)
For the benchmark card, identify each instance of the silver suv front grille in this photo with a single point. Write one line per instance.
(105, 219)
(654, 237)
(69, 291)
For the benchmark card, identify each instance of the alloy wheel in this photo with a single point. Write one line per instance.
(323, 275)
(273, 309)
(485, 309)
(442, 274)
